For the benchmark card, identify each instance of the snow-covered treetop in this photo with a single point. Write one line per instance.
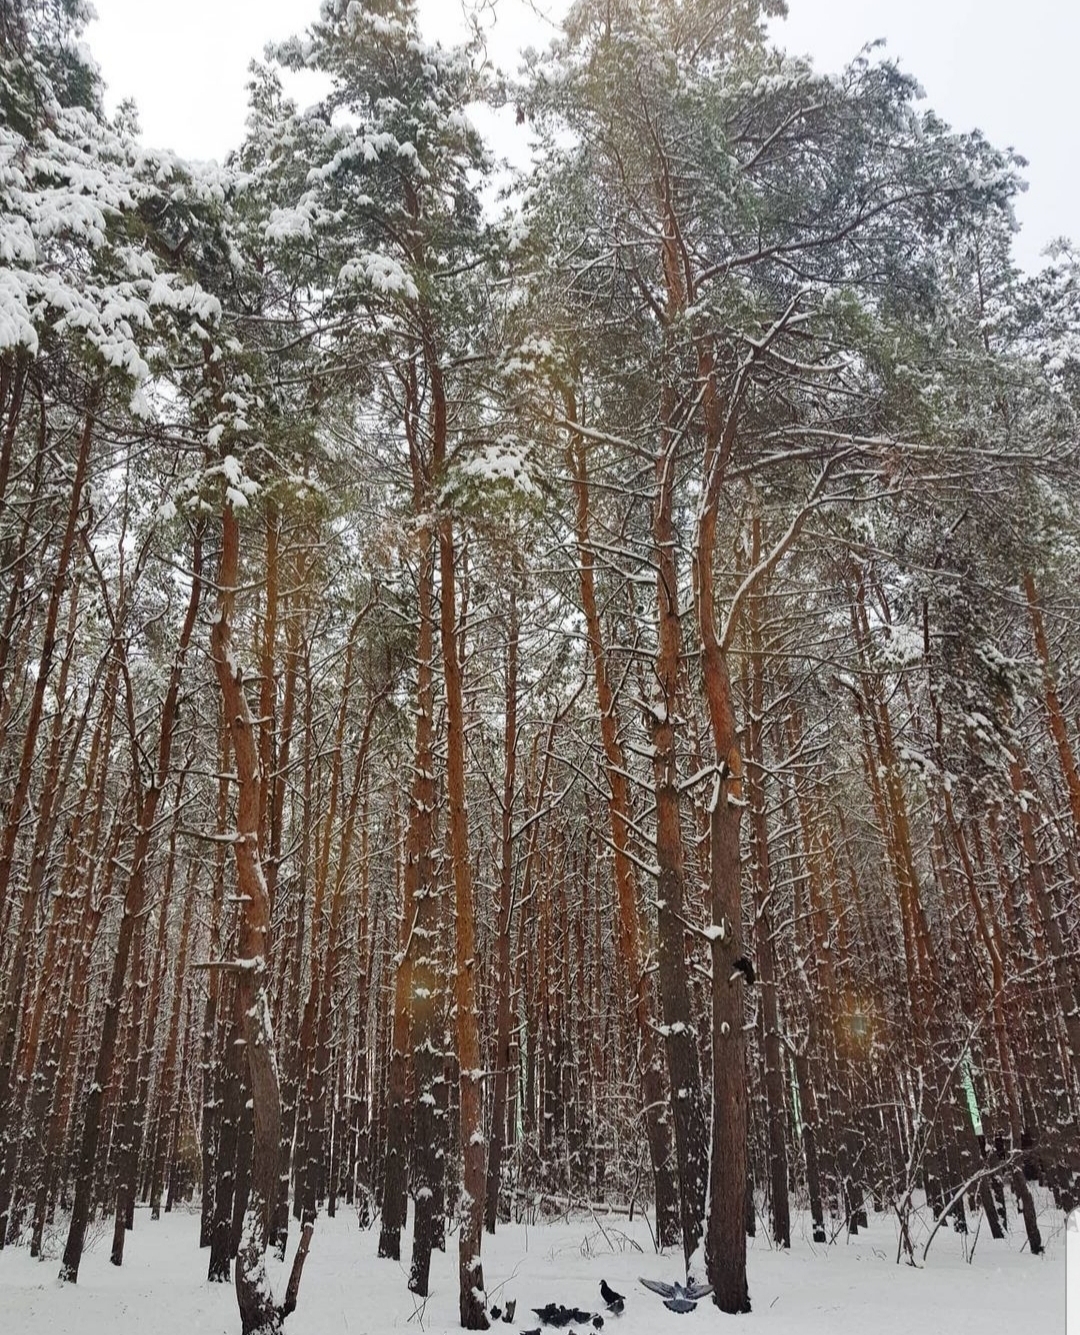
(97, 234)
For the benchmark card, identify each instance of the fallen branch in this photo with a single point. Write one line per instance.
(989, 1171)
(292, 1291)
(568, 1204)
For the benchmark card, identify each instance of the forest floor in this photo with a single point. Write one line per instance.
(852, 1286)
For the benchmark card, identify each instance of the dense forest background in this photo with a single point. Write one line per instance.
(518, 699)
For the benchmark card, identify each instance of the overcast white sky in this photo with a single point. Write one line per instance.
(1009, 68)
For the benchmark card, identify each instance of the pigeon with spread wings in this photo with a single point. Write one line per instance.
(678, 1297)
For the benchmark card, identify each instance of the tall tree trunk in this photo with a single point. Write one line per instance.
(395, 1172)
(472, 1299)
(258, 1313)
(428, 983)
(726, 1236)
(680, 1041)
(503, 924)
(775, 1100)
(213, 1016)
(126, 1114)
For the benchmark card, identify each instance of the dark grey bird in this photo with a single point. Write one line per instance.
(511, 1308)
(598, 1322)
(608, 1293)
(615, 1302)
(678, 1297)
(496, 1312)
(558, 1315)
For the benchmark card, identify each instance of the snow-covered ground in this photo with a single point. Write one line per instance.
(853, 1286)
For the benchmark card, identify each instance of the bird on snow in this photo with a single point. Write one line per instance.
(556, 1314)
(496, 1312)
(511, 1308)
(615, 1301)
(678, 1297)
(598, 1322)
